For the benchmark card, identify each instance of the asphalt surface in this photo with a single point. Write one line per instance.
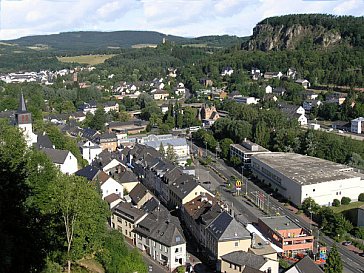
(352, 262)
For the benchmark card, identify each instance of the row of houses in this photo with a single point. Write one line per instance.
(204, 217)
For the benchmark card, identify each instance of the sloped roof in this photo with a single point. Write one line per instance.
(89, 172)
(245, 259)
(112, 198)
(306, 265)
(125, 177)
(225, 227)
(55, 155)
(127, 211)
(137, 193)
(102, 177)
(43, 141)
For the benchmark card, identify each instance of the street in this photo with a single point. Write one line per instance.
(352, 262)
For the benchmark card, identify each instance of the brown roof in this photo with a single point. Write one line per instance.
(112, 197)
(138, 192)
(198, 206)
(102, 177)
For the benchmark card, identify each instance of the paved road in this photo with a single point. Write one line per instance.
(352, 262)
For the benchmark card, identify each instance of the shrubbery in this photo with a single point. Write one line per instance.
(345, 200)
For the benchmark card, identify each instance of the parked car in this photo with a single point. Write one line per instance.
(347, 243)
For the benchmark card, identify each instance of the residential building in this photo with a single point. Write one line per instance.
(336, 97)
(308, 105)
(107, 141)
(111, 106)
(255, 74)
(245, 151)
(305, 265)
(297, 177)
(161, 237)
(109, 162)
(268, 89)
(357, 125)
(206, 82)
(140, 195)
(113, 199)
(305, 83)
(90, 151)
(125, 218)
(108, 185)
(208, 113)
(88, 107)
(89, 172)
(291, 73)
(241, 261)
(272, 75)
(279, 91)
(294, 111)
(287, 234)
(63, 159)
(246, 100)
(160, 94)
(227, 71)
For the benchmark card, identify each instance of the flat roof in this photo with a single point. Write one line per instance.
(279, 223)
(246, 150)
(307, 170)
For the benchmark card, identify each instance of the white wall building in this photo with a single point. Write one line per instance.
(246, 100)
(357, 125)
(63, 159)
(90, 150)
(268, 89)
(109, 185)
(298, 177)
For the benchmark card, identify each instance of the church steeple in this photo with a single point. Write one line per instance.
(22, 107)
(22, 116)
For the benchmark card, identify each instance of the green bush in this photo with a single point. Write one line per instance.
(345, 200)
(361, 197)
(336, 203)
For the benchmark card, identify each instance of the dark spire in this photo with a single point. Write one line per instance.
(22, 107)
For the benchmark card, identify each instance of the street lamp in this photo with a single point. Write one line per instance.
(206, 148)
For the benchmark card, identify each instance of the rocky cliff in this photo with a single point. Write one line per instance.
(268, 37)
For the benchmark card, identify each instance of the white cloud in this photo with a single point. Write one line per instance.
(177, 17)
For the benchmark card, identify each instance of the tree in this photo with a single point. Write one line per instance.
(336, 203)
(78, 209)
(345, 200)
(225, 147)
(98, 120)
(333, 262)
(161, 149)
(235, 161)
(171, 154)
(361, 197)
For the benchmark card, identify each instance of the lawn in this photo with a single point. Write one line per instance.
(352, 205)
(86, 59)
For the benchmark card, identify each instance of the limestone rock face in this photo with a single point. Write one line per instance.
(267, 37)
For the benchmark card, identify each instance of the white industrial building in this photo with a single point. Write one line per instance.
(298, 177)
(245, 151)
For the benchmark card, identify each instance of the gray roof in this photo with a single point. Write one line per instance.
(183, 185)
(127, 211)
(279, 223)
(55, 155)
(245, 259)
(89, 172)
(226, 228)
(306, 265)
(125, 177)
(173, 142)
(43, 141)
(164, 230)
(138, 192)
(306, 170)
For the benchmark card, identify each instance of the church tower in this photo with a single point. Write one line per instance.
(23, 120)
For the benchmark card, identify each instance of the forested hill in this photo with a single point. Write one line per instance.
(96, 40)
(306, 31)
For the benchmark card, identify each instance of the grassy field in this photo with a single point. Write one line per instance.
(86, 59)
(352, 205)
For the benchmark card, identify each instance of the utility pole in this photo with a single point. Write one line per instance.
(206, 148)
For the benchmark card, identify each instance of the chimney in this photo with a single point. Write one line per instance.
(253, 239)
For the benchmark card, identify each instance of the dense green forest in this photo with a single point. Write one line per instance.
(97, 40)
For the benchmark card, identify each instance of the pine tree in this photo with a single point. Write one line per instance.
(171, 155)
(161, 149)
(333, 262)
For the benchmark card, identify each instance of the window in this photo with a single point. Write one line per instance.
(314, 190)
(178, 239)
(160, 247)
(236, 244)
(153, 243)
(177, 250)
(165, 249)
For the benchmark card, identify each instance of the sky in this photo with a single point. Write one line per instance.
(188, 18)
